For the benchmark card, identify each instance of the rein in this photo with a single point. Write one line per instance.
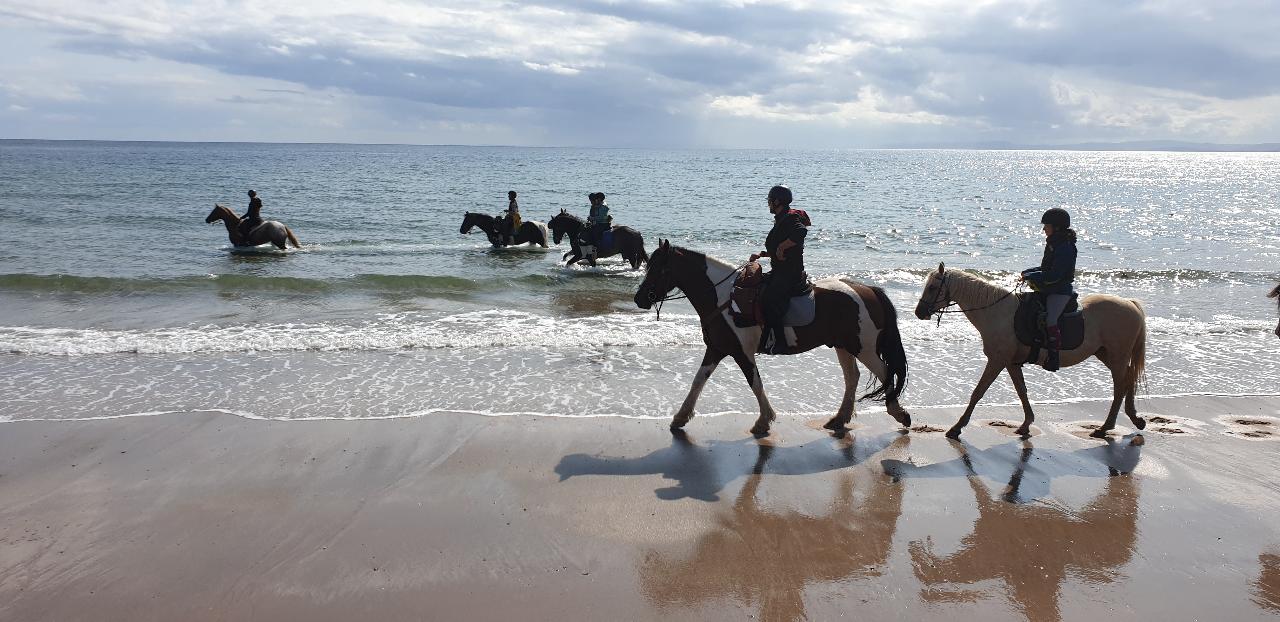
(658, 308)
(942, 287)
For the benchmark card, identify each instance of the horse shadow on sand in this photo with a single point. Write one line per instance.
(702, 471)
(754, 553)
(1024, 538)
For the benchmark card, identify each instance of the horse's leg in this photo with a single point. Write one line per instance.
(851, 374)
(876, 367)
(988, 376)
(747, 363)
(709, 362)
(1131, 409)
(1118, 372)
(1020, 384)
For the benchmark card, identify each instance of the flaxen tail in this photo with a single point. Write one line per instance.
(292, 240)
(1136, 376)
(889, 349)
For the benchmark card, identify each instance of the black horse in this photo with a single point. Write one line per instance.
(530, 232)
(626, 241)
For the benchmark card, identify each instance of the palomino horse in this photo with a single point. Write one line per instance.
(857, 320)
(626, 240)
(1276, 293)
(1115, 332)
(531, 232)
(269, 231)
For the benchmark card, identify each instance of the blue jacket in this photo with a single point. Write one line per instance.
(1057, 269)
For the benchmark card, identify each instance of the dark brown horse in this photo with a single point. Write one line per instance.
(1274, 294)
(626, 241)
(269, 231)
(857, 320)
(530, 232)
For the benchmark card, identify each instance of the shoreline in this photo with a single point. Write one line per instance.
(208, 516)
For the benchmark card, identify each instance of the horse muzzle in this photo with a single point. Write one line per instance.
(645, 298)
(923, 312)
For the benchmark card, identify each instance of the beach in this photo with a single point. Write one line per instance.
(210, 516)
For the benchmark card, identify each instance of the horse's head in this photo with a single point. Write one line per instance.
(560, 224)
(936, 295)
(219, 213)
(659, 277)
(469, 221)
(1275, 293)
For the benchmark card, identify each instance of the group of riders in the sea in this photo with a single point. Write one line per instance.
(745, 311)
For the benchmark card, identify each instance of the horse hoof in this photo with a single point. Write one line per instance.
(676, 425)
(1023, 431)
(1140, 423)
(760, 432)
(834, 424)
(1098, 433)
(953, 433)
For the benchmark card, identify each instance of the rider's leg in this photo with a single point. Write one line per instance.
(1054, 305)
(776, 297)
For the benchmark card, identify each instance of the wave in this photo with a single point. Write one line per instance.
(400, 283)
(496, 329)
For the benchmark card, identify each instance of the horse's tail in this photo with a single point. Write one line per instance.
(545, 236)
(889, 349)
(292, 240)
(640, 253)
(1136, 374)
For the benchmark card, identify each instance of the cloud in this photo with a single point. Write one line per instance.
(667, 73)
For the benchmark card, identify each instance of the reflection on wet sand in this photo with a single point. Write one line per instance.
(1266, 589)
(1033, 547)
(754, 555)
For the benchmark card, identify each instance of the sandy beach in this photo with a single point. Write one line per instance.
(207, 516)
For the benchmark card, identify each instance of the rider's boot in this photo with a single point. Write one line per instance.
(1054, 346)
(774, 341)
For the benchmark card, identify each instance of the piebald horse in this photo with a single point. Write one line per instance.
(531, 232)
(269, 231)
(626, 241)
(1274, 294)
(857, 320)
(1115, 332)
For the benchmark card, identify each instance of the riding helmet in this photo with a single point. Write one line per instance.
(781, 194)
(1057, 217)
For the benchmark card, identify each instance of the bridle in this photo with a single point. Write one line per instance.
(943, 295)
(665, 275)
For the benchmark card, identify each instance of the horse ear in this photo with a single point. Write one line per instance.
(941, 267)
(1274, 292)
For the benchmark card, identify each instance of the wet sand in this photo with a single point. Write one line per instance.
(205, 516)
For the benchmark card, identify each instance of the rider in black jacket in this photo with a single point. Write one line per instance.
(784, 247)
(253, 217)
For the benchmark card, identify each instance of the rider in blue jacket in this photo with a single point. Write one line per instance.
(1053, 277)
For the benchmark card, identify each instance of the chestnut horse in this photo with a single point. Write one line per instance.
(269, 231)
(857, 320)
(1115, 332)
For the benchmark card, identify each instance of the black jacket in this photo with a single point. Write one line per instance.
(255, 209)
(1058, 266)
(789, 225)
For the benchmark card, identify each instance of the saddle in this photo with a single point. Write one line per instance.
(746, 304)
(1029, 324)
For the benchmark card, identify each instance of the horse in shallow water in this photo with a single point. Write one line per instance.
(531, 232)
(626, 241)
(269, 231)
(1275, 293)
(1115, 332)
(857, 320)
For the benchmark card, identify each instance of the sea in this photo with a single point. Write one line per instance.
(117, 300)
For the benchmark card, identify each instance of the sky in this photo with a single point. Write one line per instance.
(642, 73)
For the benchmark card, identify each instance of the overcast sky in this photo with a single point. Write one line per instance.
(642, 73)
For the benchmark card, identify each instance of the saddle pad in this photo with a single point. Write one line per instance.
(1029, 327)
(802, 310)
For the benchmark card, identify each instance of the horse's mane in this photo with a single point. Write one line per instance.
(977, 290)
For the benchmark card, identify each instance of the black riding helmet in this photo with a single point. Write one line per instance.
(1057, 217)
(252, 193)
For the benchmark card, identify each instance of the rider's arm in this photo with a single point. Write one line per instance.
(1064, 263)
